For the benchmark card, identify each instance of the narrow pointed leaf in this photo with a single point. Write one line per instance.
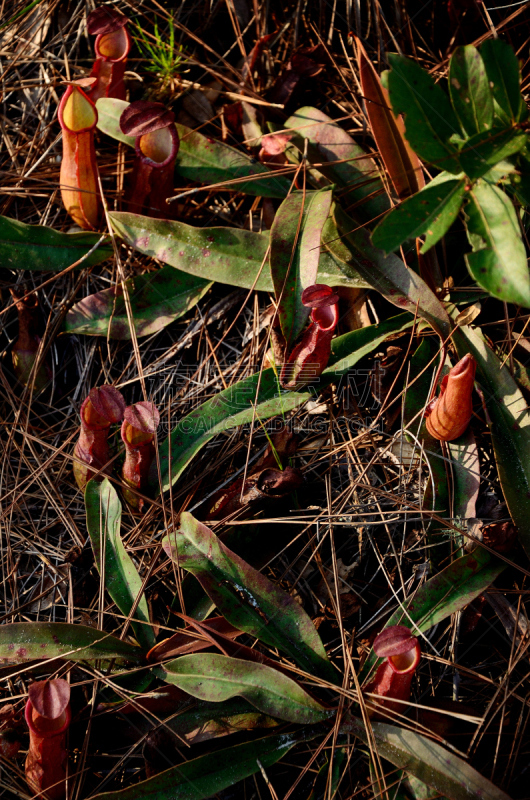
(401, 163)
(226, 255)
(235, 405)
(470, 91)
(247, 599)
(466, 474)
(207, 775)
(431, 211)
(509, 426)
(432, 764)
(38, 247)
(103, 516)
(203, 159)
(24, 641)
(339, 158)
(503, 71)
(498, 262)
(429, 118)
(481, 152)
(294, 255)
(387, 274)
(216, 678)
(157, 299)
(444, 594)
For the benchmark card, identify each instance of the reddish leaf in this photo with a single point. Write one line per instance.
(49, 698)
(401, 162)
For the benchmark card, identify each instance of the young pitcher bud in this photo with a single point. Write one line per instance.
(103, 406)
(78, 178)
(448, 416)
(311, 355)
(48, 717)
(138, 433)
(25, 349)
(393, 679)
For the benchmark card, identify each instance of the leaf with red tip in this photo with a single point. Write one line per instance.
(402, 164)
(49, 698)
(248, 599)
(143, 117)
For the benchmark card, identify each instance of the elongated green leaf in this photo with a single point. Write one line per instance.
(432, 211)
(247, 599)
(509, 426)
(215, 678)
(109, 112)
(234, 406)
(225, 255)
(498, 262)
(481, 152)
(444, 594)
(203, 159)
(38, 247)
(347, 163)
(103, 518)
(23, 641)
(157, 299)
(466, 474)
(205, 776)
(502, 68)
(428, 761)
(470, 91)
(429, 118)
(294, 256)
(387, 274)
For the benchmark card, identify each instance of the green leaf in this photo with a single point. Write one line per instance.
(444, 594)
(426, 760)
(235, 406)
(245, 597)
(466, 474)
(294, 255)
(345, 163)
(509, 426)
(38, 247)
(429, 118)
(157, 299)
(203, 777)
(23, 641)
(432, 211)
(215, 678)
(226, 255)
(203, 159)
(387, 274)
(121, 579)
(470, 91)
(484, 150)
(502, 68)
(498, 261)
(109, 112)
